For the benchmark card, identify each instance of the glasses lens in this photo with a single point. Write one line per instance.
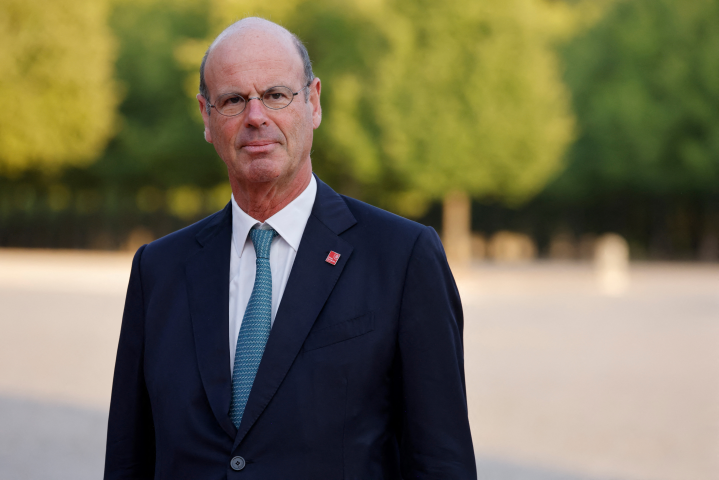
(277, 97)
(230, 104)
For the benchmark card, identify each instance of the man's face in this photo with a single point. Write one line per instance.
(260, 145)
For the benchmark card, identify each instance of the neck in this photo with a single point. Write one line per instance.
(262, 200)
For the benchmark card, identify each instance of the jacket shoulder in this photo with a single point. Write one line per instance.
(174, 245)
(375, 217)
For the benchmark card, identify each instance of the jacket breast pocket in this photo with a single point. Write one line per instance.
(339, 332)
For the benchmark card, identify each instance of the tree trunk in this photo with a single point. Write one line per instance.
(456, 229)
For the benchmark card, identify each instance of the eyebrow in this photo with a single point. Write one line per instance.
(238, 92)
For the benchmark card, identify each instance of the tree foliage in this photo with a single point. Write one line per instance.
(160, 142)
(645, 82)
(56, 88)
(470, 98)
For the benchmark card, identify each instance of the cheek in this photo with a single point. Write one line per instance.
(224, 135)
(302, 131)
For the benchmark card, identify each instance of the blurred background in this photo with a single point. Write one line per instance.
(566, 150)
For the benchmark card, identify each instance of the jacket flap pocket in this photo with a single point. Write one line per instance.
(340, 332)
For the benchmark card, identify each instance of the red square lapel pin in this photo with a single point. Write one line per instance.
(332, 258)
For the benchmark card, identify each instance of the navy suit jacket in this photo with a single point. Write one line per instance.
(362, 377)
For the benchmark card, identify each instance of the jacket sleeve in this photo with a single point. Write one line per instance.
(435, 438)
(130, 452)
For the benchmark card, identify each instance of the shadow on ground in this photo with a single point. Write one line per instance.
(493, 469)
(41, 440)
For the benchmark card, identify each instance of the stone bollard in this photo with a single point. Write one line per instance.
(611, 261)
(479, 246)
(511, 247)
(137, 238)
(562, 247)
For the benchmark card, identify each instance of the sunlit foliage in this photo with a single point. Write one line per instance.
(57, 90)
(470, 98)
(161, 141)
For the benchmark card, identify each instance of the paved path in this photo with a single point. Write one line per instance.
(563, 382)
(624, 387)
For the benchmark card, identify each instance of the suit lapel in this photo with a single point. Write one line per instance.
(310, 283)
(207, 273)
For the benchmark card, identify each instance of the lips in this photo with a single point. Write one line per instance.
(259, 146)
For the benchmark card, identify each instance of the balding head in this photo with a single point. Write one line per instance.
(248, 26)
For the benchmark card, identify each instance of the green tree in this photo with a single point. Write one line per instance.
(56, 87)
(471, 103)
(160, 142)
(645, 83)
(158, 160)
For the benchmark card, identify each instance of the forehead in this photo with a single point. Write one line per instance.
(253, 58)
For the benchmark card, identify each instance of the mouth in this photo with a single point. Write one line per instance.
(259, 146)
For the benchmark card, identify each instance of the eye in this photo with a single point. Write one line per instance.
(278, 94)
(229, 100)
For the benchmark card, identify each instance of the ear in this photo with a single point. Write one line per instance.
(315, 89)
(205, 117)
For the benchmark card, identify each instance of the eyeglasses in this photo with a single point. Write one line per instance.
(274, 98)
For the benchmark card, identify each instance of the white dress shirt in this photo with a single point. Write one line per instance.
(289, 223)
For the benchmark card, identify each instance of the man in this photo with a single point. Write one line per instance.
(297, 334)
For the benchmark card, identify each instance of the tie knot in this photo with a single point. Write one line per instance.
(262, 240)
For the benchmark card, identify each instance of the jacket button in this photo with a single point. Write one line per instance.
(237, 463)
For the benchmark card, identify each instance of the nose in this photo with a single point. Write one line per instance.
(255, 113)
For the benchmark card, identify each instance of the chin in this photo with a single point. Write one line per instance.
(261, 171)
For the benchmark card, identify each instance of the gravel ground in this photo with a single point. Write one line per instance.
(564, 383)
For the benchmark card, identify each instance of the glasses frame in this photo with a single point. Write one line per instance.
(210, 106)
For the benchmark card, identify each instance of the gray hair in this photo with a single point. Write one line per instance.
(301, 49)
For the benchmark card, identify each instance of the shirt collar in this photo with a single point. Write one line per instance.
(289, 222)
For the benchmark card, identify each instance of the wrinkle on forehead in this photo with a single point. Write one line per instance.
(274, 73)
